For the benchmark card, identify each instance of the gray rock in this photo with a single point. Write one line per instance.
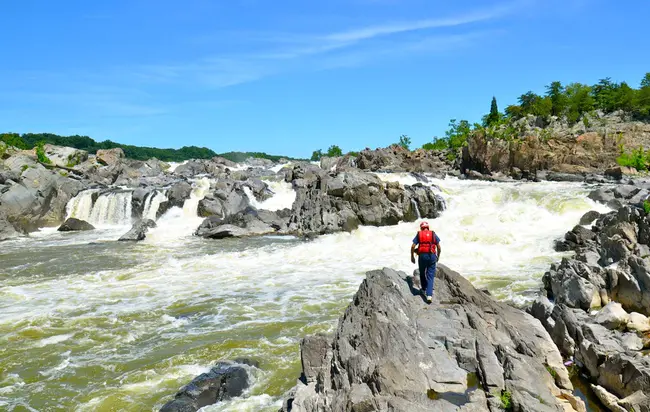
(390, 351)
(225, 381)
(609, 400)
(72, 224)
(638, 402)
(249, 222)
(65, 156)
(589, 217)
(613, 316)
(138, 231)
(344, 200)
(176, 196)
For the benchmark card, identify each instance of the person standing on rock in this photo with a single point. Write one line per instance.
(427, 245)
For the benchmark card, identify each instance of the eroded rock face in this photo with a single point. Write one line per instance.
(343, 201)
(571, 151)
(393, 352)
(398, 159)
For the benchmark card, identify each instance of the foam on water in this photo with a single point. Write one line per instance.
(140, 314)
(283, 196)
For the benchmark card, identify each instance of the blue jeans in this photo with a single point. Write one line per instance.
(427, 264)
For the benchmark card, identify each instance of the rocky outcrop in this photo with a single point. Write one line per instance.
(465, 352)
(551, 144)
(138, 231)
(34, 196)
(398, 159)
(65, 156)
(249, 222)
(73, 224)
(601, 299)
(227, 198)
(334, 202)
(224, 381)
(176, 196)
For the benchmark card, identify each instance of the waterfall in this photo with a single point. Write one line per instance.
(201, 187)
(81, 205)
(111, 208)
(415, 206)
(152, 204)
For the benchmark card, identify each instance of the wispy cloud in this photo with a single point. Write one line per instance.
(285, 52)
(395, 28)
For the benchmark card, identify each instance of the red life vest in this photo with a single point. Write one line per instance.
(427, 242)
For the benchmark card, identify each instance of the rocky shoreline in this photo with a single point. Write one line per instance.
(391, 351)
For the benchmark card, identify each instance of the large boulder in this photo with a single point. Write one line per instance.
(392, 352)
(227, 198)
(65, 156)
(138, 231)
(38, 199)
(224, 381)
(344, 200)
(249, 222)
(176, 197)
(109, 157)
(73, 224)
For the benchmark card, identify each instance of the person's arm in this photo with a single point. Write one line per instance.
(438, 247)
(416, 240)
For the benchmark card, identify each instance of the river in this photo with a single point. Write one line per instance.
(91, 324)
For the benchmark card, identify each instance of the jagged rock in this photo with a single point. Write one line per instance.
(72, 224)
(138, 231)
(176, 197)
(345, 200)
(249, 222)
(398, 159)
(110, 157)
(38, 199)
(227, 199)
(613, 316)
(391, 352)
(224, 381)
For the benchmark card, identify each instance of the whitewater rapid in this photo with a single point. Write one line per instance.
(91, 324)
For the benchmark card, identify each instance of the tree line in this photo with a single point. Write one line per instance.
(570, 102)
(28, 141)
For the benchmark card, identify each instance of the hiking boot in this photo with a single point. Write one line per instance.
(429, 299)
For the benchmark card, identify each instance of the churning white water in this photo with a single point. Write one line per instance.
(115, 326)
(110, 209)
(152, 204)
(283, 196)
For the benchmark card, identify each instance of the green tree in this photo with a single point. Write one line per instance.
(604, 95)
(535, 104)
(625, 98)
(457, 133)
(555, 92)
(579, 101)
(514, 112)
(334, 151)
(494, 116)
(404, 141)
(644, 96)
(316, 155)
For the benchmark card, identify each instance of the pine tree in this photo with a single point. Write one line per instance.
(494, 115)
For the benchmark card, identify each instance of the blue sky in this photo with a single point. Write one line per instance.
(289, 77)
